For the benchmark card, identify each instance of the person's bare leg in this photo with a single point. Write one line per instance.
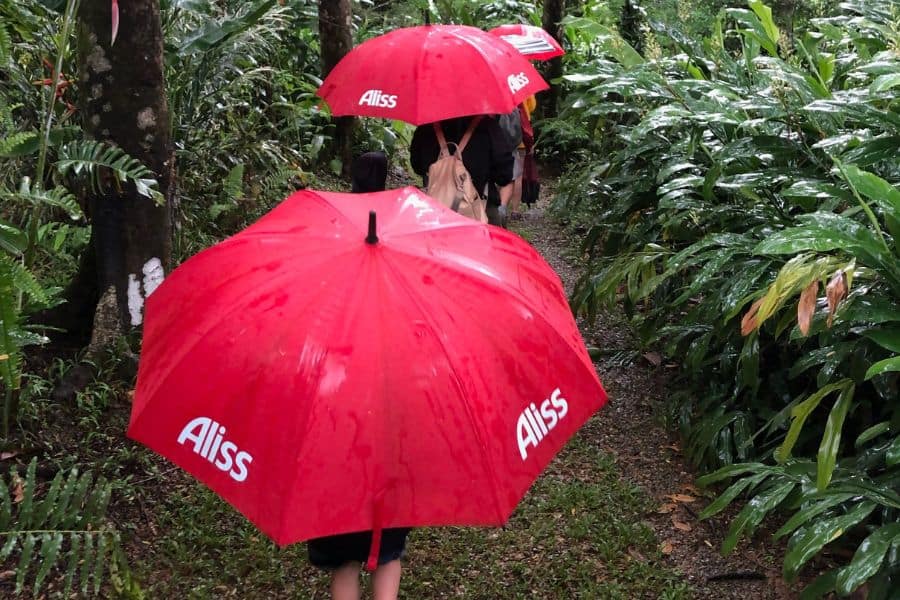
(386, 582)
(345, 582)
(516, 199)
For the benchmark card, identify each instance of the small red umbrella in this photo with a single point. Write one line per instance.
(533, 42)
(429, 73)
(324, 375)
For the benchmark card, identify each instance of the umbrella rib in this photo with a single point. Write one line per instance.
(407, 287)
(298, 451)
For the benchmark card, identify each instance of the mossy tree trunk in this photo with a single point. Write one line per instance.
(122, 102)
(336, 40)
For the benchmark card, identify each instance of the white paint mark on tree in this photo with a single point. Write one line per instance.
(97, 60)
(135, 300)
(153, 275)
(146, 118)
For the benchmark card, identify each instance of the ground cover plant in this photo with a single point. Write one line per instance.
(741, 199)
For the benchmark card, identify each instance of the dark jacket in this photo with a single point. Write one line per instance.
(488, 156)
(369, 172)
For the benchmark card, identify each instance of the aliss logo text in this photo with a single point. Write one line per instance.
(379, 99)
(536, 422)
(516, 82)
(207, 436)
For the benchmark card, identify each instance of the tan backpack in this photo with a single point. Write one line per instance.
(448, 180)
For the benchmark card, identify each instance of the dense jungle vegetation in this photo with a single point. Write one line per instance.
(730, 175)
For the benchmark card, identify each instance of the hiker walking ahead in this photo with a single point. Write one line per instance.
(343, 555)
(487, 157)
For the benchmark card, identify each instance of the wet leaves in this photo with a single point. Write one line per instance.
(807, 307)
(681, 525)
(749, 322)
(18, 488)
(682, 498)
(835, 292)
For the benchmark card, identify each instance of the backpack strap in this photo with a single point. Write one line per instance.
(468, 134)
(442, 141)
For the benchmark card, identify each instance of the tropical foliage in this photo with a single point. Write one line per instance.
(741, 199)
(65, 529)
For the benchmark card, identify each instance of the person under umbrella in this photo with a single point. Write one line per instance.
(344, 555)
(351, 389)
(488, 157)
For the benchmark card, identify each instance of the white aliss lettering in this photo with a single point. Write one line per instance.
(207, 436)
(536, 422)
(379, 99)
(517, 81)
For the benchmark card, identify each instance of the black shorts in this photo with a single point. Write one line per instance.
(337, 550)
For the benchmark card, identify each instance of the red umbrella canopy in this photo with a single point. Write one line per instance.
(324, 381)
(531, 41)
(429, 73)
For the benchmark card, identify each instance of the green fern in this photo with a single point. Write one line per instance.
(276, 183)
(64, 529)
(5, 44)
(98, 160)
(15, 281)
(232, 190)
(234, 183)
(18, 144)
(14, 277)
(58, 197)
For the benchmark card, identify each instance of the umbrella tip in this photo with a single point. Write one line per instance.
(371, 238)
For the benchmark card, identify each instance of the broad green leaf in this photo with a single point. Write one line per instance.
(831, 440)
(765, 17)
(752, 514)
(885, 82)
(801, 412)
(883, 366)
(871, 433)
(825, 64)
(867, 559)
(214, 34)
(803, 516)
(871, 310)
(733, 491)
(873, 151)
(892, 456)
(731, 471)
(584, 77)
(820, 587)
(807, 542)
(874, 188)
(886, 337)
(12, 239)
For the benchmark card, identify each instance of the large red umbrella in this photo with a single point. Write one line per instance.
(533, 42)
(325, 376)
(429, 73)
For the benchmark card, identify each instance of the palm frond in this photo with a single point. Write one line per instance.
(58, 197)
(61, 527)
(98, 160)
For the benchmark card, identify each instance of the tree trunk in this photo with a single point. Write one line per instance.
(336, 40)
(783, 13)
(123, 102)
(553, 15)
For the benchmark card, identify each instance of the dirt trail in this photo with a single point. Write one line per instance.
(649, 457)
